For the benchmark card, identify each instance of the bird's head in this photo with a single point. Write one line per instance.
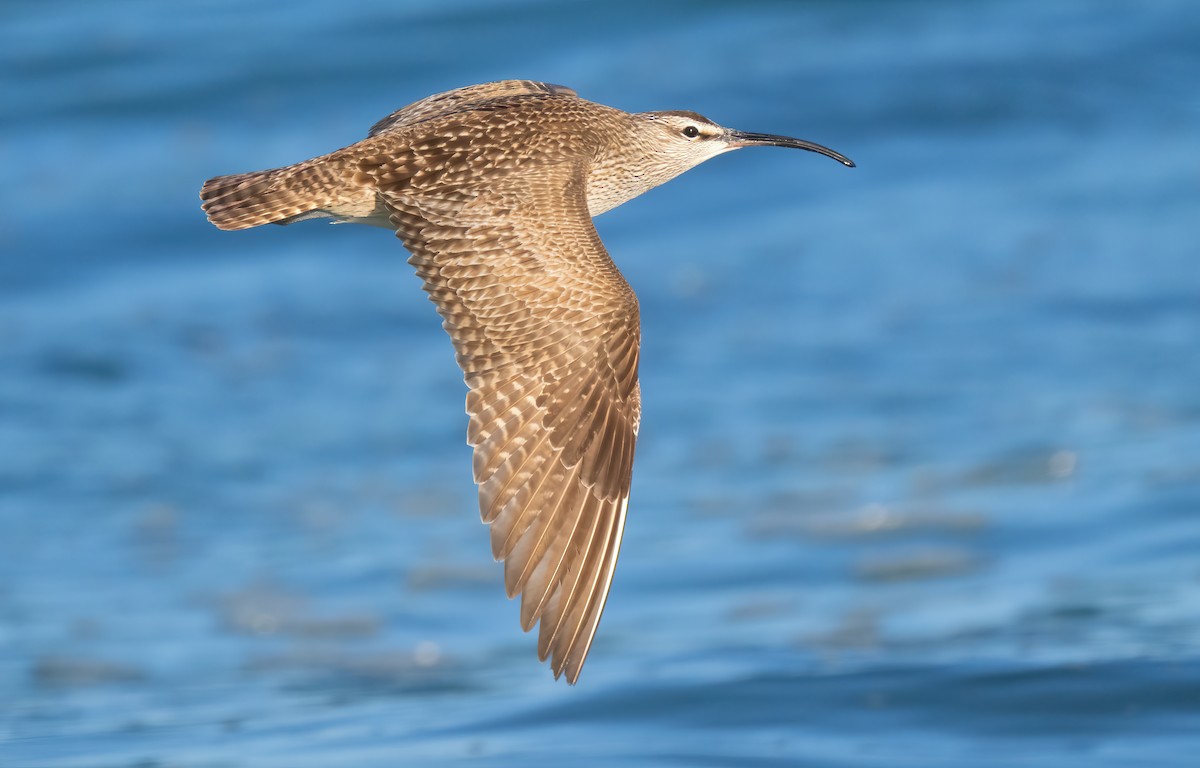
(663, 145)
(689, 139)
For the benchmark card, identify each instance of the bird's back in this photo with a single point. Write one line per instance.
(466, 99)
(477, 134)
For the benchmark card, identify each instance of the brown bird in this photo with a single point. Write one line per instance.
(492, 188)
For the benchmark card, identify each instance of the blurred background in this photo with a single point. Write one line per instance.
(919, 472)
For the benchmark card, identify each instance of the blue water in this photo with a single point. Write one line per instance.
(919, 473)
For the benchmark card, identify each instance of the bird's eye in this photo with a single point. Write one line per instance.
(691, 131)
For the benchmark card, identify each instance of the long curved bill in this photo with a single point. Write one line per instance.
(744, 139)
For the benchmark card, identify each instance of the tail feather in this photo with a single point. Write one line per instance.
(276, 196)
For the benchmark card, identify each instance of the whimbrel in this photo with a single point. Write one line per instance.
(492, 188)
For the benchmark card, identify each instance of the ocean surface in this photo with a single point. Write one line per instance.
(918, 481)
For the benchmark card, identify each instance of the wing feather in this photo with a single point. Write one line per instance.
(461, 99)
(546, 331)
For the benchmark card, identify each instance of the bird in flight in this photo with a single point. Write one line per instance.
(492, 189)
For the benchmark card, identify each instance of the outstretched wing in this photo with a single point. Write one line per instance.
(546, 331)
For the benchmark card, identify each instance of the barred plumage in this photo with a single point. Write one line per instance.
(492, 189)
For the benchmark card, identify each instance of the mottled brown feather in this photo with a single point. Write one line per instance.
(463, 99)
(546, 331)
(492, 188)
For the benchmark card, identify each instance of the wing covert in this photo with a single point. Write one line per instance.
(461, 99)
(547, 333)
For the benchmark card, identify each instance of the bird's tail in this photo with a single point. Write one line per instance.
(276, 196)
